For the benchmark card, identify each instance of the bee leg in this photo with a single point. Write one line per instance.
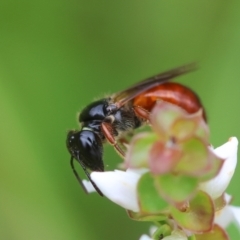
(108, 133)
(123, 141)
(141, 113)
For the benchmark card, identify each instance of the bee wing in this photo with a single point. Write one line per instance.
(123, 97)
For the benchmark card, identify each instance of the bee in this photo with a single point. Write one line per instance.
(111, 118)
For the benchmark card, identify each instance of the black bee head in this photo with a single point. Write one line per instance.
(86, 147)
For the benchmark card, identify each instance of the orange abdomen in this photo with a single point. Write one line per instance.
(170, 92)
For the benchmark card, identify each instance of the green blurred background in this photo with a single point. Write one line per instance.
(57, 56)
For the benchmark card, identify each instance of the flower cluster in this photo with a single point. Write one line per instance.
(174, 178)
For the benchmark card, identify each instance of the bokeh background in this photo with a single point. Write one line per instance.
(58, 55)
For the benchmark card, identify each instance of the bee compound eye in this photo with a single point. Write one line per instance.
(90, 148)
(71, 139)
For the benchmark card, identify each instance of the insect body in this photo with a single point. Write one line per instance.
(108, 119)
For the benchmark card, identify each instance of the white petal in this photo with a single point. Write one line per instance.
(227, 215)
(228, 198)
(88, 185)
(224, 217)
(216, 186)
(152, 230)
(236, 215)
(119, 186)
(145, 237)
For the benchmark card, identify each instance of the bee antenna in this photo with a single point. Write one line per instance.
(88, 175)
(77, 176)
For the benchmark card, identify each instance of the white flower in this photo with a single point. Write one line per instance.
(88, 185)
(175, 235)
(236, 215)
(145, 237)
(229, 214)
(217, 186)
(119, 186)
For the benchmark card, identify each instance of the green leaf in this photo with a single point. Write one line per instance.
(220, 202)
(176, 188)
(175, 235)
(217, 233)
(212, 169)
(163, 115)
(190, 125)
(195, 157)
(149, 199)
(161, 232)
(183, 128)
(202, 131)
(192, 237)
(144, 217)
(138, 154)
(199, 216)
(163, 157)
